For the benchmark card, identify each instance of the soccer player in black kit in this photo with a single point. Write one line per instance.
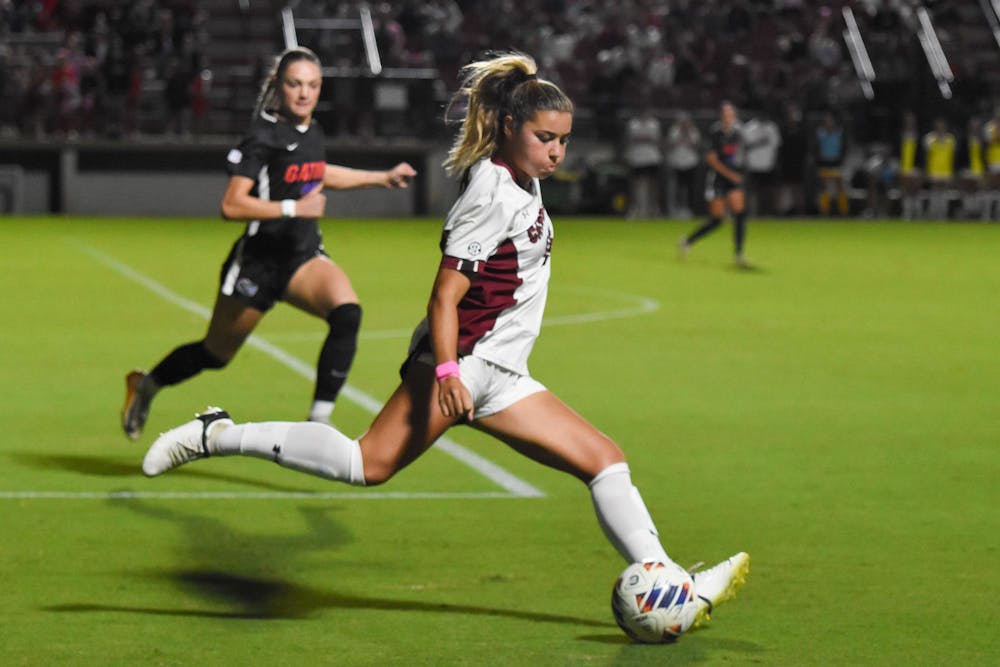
(277, 176)
(724, 183)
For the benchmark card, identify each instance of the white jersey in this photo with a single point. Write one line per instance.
(499, 235)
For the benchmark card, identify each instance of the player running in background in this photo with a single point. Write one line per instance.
(724, 186)
(468, 359)
(277, 176)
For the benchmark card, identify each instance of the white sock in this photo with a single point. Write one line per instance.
(321, 411)
(308, 447)
(624, 517)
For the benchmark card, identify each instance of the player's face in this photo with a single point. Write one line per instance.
(538, 147)
(728, 114)
(300, 86)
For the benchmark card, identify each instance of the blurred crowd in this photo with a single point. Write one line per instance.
(634, 67)
(83, 68)
(813, 165)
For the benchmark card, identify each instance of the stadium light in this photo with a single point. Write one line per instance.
(935, 55)
(290, 24)
(859, 54)
(991, 8)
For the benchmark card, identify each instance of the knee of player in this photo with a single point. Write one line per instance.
(213, 360)
(345, 319)
(377, 472)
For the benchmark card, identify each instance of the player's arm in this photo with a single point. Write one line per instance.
(713, 161)
(346, 178)
(450, 286)
(239, 204)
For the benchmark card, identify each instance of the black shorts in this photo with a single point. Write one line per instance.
(257, 275)
(718, 186)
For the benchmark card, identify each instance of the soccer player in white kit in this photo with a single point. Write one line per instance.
(468, 360)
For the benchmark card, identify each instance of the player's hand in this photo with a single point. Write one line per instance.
(454, 399)
(399, 176)
(311, 205)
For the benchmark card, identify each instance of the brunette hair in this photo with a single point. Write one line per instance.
(268, 99)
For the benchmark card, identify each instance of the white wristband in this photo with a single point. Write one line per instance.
(288, 208)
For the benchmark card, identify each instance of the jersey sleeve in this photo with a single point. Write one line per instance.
(475, 227)
(250, 156)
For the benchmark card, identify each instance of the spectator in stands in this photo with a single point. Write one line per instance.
(830, 149)
(972, 175)
(879, 172)
(763, 142)
(643, 148)
(683, 159)
(939, 152)
(991, 141)
(792, 156)
(177, 96)
(118, 73)
(911, 179)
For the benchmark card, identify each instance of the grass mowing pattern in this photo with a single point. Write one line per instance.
(833, 414)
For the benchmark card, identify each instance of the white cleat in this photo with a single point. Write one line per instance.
(719, 584)
(185, 443)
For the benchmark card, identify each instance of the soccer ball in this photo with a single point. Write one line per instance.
(653, 602)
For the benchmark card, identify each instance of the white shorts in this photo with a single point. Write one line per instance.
(493, 388)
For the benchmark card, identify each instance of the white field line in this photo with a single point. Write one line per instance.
(506, 480)
(641, 306)
(248, 495)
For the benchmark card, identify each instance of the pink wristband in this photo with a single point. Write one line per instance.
(448, 369)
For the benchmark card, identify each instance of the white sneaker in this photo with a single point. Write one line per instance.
(719, 584)
(185, 443)
(683, 247)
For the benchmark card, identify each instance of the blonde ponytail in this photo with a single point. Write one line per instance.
(506, 85)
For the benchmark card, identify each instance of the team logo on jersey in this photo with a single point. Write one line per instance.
(535, 231)
(475, 248)
(247, 287)
(307, 171)
(235, 156)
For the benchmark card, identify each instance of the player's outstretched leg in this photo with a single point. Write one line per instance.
(185, 443)
(720, 583)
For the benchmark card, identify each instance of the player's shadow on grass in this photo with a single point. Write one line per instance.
(261, 599)
(224, 565)
(103, 466)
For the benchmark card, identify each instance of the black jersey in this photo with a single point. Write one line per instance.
(285, 162)
(730, 146)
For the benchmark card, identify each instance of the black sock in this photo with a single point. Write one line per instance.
(184, 362)
(338, 351)
(739, 231)
(710, 225)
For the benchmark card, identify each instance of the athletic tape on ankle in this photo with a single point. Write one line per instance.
(448, 369)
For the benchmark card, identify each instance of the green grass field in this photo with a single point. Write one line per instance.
(834, 414)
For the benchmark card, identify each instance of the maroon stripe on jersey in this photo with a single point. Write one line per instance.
(491, 293)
